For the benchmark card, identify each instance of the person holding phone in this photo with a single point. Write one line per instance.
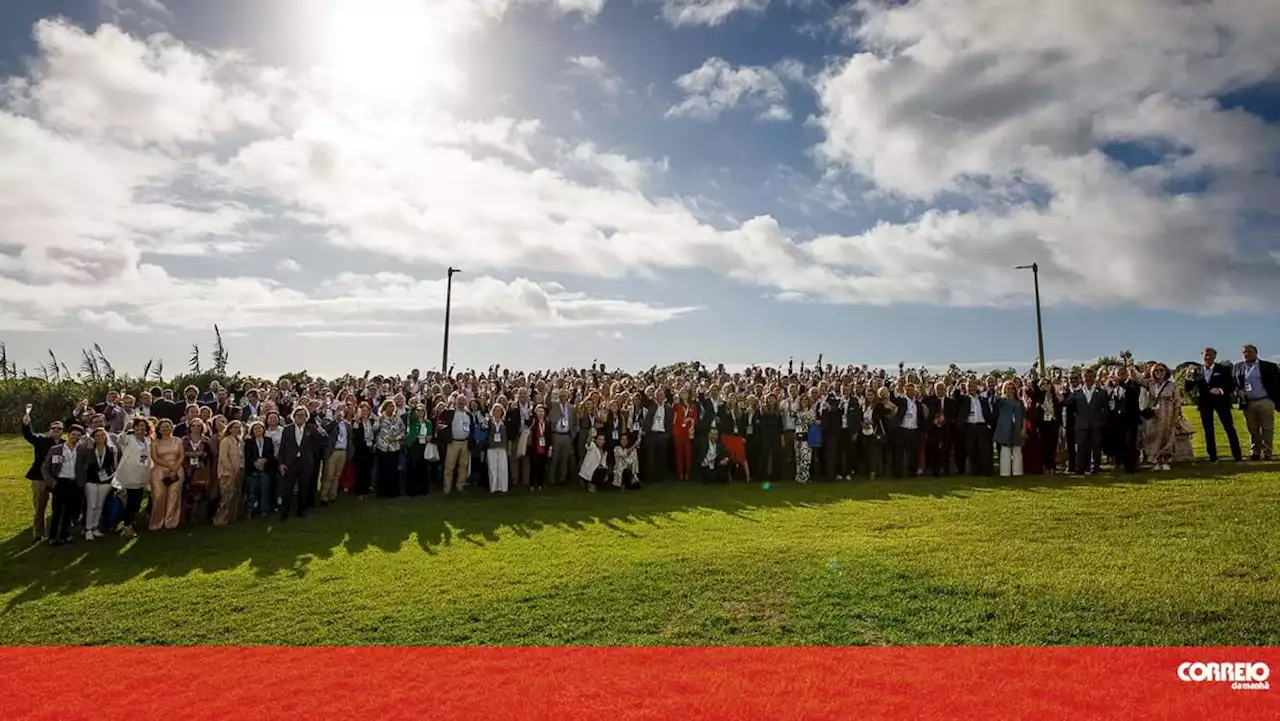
(40, 446)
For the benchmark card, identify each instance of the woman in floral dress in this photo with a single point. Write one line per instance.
(805, 417)
(1161, 433)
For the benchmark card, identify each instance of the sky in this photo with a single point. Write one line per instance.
(637, 182)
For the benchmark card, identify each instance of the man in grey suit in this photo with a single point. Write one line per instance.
(562, 420)
(1088, 406)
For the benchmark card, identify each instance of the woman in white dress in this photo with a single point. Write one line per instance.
(134, 473)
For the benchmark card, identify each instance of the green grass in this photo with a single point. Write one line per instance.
(1182, 558)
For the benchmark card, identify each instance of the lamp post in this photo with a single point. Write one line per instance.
(448, 306)
(1035, 274)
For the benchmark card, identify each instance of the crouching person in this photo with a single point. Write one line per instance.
(594, 470)
(712, 460)
(626, 463)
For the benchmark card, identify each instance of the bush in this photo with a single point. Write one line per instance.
(54, 400)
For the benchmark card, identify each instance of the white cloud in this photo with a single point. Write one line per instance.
(109, 320)
(120, 153)
(707, 12)
(348, 334)
(598, 71)
(625, 172)
(288, 265)
(1004, 102)
(717, 86)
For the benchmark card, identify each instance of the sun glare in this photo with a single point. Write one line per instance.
(387, 49)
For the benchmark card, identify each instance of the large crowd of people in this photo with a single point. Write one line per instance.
(223, 455)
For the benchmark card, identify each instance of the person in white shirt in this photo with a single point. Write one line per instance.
(497, 456)
(594, 469)
(59, 471)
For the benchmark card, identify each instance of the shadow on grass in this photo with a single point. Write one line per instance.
(269, 547)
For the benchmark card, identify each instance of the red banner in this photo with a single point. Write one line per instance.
(634, 683)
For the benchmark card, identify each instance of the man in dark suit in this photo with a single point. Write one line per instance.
(1258, 382)
(1214, 386)
(1123, 414)
(162, 404)
(831, 419)
(942, 412)
(850, 423)
(301, 450)
(1088, 406)
(656, 426)
(910, 423)
(711, 461)
(976, 418)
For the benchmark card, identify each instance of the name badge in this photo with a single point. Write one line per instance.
(542, 441)
(102, 475)
(56, 460)
(193, 462)
(1248, 387)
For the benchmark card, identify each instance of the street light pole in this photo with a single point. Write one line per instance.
(448, 307)
(1035, 274)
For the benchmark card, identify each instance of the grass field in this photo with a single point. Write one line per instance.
(1189, 557)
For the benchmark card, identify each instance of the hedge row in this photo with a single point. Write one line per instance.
(50, 401)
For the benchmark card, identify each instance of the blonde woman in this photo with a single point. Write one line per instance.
(1010, 433)
(166, 478)
(496, 455)
(230, 473)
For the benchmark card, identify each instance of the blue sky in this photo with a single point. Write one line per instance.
(636, 181)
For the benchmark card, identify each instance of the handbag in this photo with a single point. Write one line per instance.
(112, 511)
(1184, 426)
(815, 436)
(522, 445)
(431, 452)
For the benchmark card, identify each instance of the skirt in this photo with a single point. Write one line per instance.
(736, 447)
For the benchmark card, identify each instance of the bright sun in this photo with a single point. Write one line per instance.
(387, 49)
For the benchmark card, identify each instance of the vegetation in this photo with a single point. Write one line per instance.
(1174, 558)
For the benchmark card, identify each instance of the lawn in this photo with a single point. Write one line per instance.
(1189, 557)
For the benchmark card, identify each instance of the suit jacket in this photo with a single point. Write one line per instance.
(555, 412)
(646, 418)
(922, 413)
(1088, 413)
(830, 417)
(87, 464)
(964, 407)
(943, 407)
(160, 408)
(700, 453)
(1268, 372)
(331, 437)
(708, 416)
(40, 445)
(301, 459)
(1221, 377)
(268, 452)
(1126, 412)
